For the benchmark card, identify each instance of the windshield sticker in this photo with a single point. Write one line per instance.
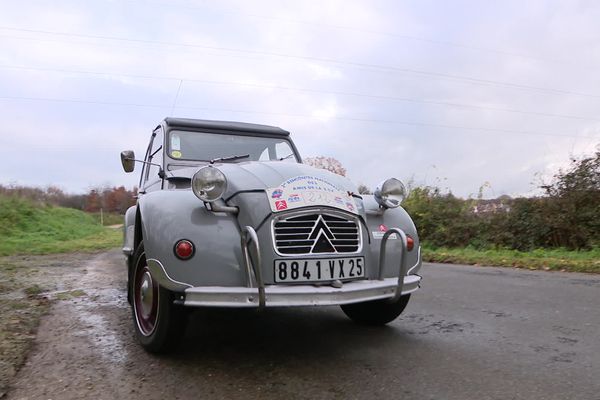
(176, 154)
(175, 143)
(307, 191)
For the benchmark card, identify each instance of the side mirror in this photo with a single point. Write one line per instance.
(128, 160)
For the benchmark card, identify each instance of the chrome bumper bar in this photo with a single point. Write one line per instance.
(257, 294)
(299, 295)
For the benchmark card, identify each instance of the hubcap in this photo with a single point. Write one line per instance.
(146, 294)
(145, 301)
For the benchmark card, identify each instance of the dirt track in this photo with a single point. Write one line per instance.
(484, 333)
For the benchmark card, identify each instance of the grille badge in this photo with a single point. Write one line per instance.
(319, 227)
(322, 245)
(322, 234)
(318, 233)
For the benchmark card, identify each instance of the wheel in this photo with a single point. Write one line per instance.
(378, 312)
(158, 322)
(129, 279)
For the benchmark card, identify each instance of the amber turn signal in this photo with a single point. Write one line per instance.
(410, 243)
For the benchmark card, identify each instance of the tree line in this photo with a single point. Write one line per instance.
(108, 199)
(566, 214)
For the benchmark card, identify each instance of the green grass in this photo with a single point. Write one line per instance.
(546, 259)
(30, 228)
(109, 218)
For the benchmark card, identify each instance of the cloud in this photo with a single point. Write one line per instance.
(324, 72)
(230, 58)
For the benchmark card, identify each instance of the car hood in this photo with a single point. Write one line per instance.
(260, 175)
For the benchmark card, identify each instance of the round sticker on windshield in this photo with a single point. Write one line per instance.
(176, 154)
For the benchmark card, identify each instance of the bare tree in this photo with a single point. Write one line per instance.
(363, 189)
(328, 163)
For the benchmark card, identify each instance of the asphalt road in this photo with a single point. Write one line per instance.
(469, 333)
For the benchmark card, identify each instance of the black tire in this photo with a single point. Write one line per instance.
(376, 313)
(158, 323)
(129, 279)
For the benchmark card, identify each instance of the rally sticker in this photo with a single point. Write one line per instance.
(281, 205)
(306, 191)
(175, 142)
(381, 231)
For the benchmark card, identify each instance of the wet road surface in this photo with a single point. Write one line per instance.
(469, 333)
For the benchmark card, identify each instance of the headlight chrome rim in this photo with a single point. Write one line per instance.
(209, 184)
(390, 193)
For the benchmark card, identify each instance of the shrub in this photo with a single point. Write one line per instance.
(567, 215)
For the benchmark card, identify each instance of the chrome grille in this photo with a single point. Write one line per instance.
(316, 233)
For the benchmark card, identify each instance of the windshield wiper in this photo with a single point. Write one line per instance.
(229, 158)
(286, 157)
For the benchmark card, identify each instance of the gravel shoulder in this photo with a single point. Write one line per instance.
(28, 286)
(470, 332)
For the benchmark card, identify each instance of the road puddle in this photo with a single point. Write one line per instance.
(102, 297)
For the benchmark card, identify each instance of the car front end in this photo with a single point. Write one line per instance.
(248, 253)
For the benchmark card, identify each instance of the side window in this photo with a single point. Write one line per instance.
(278, 151)
(284, 152)
(264, 155)
(155, 156)
(144, 170)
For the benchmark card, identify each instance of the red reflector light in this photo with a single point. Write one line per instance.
(184, 249)
(410, 243)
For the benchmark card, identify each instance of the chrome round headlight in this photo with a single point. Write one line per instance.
(390, 193)
(209, 184)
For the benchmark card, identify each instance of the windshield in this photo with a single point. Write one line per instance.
(202, 146)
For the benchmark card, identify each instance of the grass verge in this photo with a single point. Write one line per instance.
(108, 218)
(104, 239)
(30, 228)
(544, 259)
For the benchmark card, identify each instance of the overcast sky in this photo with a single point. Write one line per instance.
(447, 93)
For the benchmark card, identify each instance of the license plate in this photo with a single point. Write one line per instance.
(317, 270)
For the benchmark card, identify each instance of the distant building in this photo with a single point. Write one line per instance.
(501, 204)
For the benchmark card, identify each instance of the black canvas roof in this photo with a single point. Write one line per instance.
(224, 126)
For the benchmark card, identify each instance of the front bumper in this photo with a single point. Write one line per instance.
(257, 294)
(299, 295)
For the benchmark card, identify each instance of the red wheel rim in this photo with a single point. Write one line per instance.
(145, 300)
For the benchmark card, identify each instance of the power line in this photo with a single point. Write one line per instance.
(369, 120)
(440, 75)
(176, 96)
(83, 101)
(368, 31)
(92, 42)
(307, 90)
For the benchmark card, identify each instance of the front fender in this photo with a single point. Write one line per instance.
(171, 215)
(129, 231)
(391, 218)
